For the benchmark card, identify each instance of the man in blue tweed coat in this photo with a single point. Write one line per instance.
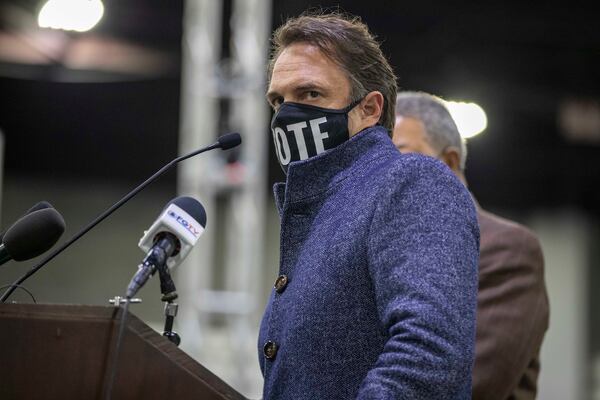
(376, 292)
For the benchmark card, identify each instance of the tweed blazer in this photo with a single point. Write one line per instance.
(377, 286)
(512, 311)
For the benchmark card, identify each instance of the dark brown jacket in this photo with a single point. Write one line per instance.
(512, 311)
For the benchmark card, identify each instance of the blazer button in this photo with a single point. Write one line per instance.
(280, 283)
(270, 350)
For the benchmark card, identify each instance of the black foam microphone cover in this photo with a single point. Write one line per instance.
(191, 206)
(37, 206)
(229, 140)
(34, 234)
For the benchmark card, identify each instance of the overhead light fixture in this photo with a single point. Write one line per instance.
(71, 15)
(470, 118)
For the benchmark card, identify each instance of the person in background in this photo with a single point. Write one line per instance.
(512, 304)
(376, 293)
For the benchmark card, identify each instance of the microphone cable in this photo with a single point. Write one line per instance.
(23, 288)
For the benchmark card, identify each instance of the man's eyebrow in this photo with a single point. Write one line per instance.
(303, 87)
(308, 86)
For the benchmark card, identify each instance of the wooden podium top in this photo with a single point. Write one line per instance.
(64, 351)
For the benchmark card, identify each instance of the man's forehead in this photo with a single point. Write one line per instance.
(303, 64)
(409, 129)
(305, 51)
(399, 119)
(408, 123)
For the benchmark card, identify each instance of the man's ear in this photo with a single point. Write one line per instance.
(451, 158)
(372, 107)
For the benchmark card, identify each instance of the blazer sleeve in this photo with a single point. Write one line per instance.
(423, 252)
(512, 314)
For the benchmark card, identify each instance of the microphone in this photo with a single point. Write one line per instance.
(38, 206)
(32, 235)
(169, 239)
(229, 140)
(224, 142)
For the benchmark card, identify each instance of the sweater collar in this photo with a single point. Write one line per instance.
(308, 178)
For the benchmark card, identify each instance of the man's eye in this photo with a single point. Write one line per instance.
(313, 94)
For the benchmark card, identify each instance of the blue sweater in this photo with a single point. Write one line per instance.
(379, 251)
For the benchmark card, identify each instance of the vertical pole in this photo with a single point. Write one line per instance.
(199, 112)
(238, 83)
(250, 24)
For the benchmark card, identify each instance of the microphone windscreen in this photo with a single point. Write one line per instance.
(34, 234)
(191, 206)
(38, 206)
(229, 140)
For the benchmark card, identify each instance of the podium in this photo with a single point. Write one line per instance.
(66, 351)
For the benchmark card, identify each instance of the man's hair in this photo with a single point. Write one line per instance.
(440, 128)
(348, 43)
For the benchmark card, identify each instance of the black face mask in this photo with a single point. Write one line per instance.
(301, 131)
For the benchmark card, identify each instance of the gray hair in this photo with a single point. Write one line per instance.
(440, 128)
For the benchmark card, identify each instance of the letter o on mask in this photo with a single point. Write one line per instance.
(282, 147)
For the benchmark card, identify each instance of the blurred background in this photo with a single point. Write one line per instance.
(98, 95)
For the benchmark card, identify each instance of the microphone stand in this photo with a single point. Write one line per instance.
(167, 288)
(169, 294)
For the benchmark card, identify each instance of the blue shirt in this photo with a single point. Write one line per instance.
(379, 251)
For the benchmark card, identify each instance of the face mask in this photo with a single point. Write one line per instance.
(301, 131)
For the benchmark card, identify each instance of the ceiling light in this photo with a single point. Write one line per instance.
(470, 118)
(71, 15)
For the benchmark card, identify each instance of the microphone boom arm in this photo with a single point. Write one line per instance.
(105, 214)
